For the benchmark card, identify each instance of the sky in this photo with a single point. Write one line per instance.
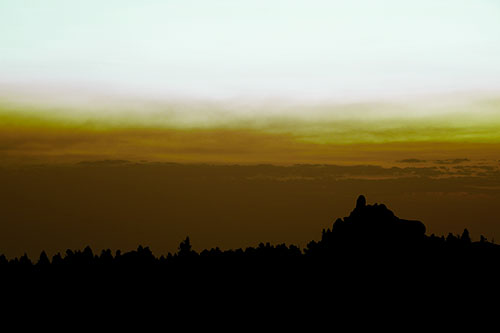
(303, 73)
(236, 49)
(404, 94)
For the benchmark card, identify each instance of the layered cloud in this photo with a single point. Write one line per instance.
(274, 133)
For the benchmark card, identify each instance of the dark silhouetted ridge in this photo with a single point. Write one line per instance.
(374, 226)
(369, 251)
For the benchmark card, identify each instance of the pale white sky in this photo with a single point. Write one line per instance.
(259, 49)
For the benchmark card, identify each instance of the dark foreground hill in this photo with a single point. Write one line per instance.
(369, 236)
(369, 256)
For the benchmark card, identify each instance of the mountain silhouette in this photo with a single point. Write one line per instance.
(369, 228)
(374, 224)
(371, 238)
(371, 254)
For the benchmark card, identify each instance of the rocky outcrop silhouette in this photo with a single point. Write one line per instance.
(371, 226)
(377, 222)
(370, 235)
(369, 260)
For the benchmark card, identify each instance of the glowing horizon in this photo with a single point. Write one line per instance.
(215, 133)
(249, 82)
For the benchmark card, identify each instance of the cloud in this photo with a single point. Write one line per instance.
(412, 160)
(104, 162)
(452, 161)
(31, 135)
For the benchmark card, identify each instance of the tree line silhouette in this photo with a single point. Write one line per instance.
(370, 236)
(369, 257)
